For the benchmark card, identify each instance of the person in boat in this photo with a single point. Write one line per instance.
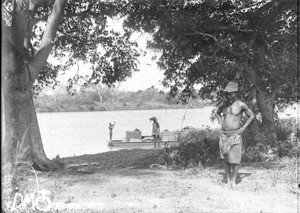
(110, 128)
(229, 113)
(155, 131)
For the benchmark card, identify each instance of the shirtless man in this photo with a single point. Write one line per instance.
(229, 114)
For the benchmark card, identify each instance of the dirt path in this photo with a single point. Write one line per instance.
(124, 182)
(153, 190)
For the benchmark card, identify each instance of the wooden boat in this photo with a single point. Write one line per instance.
(132, 139)
(140, 143)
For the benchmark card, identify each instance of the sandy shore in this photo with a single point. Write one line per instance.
(87, 185)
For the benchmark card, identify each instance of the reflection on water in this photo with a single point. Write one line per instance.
(78, 133)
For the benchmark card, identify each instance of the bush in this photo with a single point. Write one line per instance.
(195, 147)
(202, 146)
(259, 153)
(287, 131)
(286, 127)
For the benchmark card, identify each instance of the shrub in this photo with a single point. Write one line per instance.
(202, 146)
(285, 127)
(287, 131)
(259, 153)
(195, 147)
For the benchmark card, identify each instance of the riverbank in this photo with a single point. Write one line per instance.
(114, 106)
(105, 99)
(130, 181)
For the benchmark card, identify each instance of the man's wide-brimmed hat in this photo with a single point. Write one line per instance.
(153, 118)
(231, 87)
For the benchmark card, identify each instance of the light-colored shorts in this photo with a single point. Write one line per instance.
(231, 147)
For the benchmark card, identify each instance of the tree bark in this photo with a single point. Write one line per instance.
(22, 139)
(262, 131)
(266, 103)
(254, 128)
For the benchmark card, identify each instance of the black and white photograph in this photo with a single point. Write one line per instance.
(150, 106)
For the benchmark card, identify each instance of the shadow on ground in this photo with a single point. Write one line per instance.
(240, 176)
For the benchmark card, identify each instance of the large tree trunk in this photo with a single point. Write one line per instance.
(22, 141)
(16, 94)
(266, 103)
(41, 162)
(263, 130)
(253, 135)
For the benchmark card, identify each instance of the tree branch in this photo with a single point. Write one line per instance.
(27, 23)
(34, 4)
(237, 30)
(47, 42)
(19, 24)
(88, 11)
(27, 43)
(207, 35)
(203, 34)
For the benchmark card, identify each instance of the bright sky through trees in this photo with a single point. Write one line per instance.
(149, 74)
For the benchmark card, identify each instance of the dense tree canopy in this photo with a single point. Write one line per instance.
(207, 42)
(85, 35)
(213, 42)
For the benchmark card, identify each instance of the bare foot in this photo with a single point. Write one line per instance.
(233, 185)
(228, 185)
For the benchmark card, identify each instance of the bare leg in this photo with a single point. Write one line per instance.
(227, 172)
(235, 170)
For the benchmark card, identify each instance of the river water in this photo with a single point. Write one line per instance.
(77, 133)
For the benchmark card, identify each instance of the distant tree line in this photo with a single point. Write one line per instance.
(93, 97)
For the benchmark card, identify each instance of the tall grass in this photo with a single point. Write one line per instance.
(13, 174)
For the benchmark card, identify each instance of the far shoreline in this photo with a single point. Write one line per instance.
(128, 109)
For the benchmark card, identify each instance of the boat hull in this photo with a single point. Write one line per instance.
(141, 143)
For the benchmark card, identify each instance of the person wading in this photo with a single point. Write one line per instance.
(229, 113)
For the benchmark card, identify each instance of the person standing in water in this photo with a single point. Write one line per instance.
(155, 131)
(110, 128)
(229, 114)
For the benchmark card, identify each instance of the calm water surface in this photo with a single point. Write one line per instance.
(78, 133)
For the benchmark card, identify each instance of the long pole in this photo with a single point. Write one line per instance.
(188, 106)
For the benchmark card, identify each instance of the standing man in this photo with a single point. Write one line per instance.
(229, 114)
(155, 131)
(110, 128)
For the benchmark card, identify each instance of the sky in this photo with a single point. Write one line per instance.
(148, 76)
